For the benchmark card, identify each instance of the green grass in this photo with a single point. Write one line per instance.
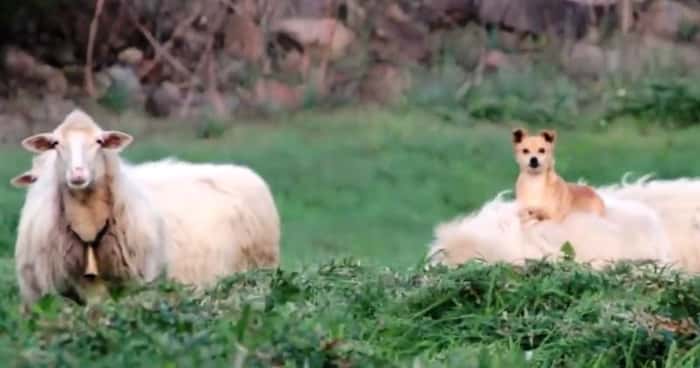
(371, 184)
(344, 314)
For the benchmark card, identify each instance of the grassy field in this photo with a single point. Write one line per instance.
(371, 184)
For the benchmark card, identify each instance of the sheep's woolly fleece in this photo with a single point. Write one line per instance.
(221, 218)
(647, 220)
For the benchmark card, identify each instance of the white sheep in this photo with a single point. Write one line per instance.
(220, 219)
(84, 219)
(677, 203)
(629, 231)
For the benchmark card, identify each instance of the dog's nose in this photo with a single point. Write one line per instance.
(533, 162)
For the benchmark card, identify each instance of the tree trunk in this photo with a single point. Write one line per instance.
(625, 15)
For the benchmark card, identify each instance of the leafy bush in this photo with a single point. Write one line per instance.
(536, 96)
(210, 128)
(672, 102)
(687, 31)
(116, 98)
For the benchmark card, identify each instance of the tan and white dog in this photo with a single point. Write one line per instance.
(541, 194)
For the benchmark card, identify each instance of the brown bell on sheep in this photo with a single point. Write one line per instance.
(91, 269)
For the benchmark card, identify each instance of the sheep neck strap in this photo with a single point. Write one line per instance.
(98, 238)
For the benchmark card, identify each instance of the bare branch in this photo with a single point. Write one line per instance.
(168, 44)
(89, 82)
(160, 51)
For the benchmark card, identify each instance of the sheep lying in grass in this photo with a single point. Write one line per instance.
(677, 203)
(219, 219)
(84, 220)
(630, 230)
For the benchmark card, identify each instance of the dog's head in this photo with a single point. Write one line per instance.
(534, 153)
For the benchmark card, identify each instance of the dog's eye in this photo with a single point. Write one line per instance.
(526, 151)
(541, 150)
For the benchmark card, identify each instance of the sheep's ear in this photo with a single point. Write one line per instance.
(549, 135)
(114, 140)
(40, 143)
(23, 180)
(518, 135)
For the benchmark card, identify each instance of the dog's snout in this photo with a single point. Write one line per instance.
(534, 163)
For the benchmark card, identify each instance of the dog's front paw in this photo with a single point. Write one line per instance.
(531, 216)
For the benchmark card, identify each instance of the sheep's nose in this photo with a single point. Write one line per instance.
(78, 180)
(78, 176)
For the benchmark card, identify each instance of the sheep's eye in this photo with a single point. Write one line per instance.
(100, 141)
(526, 151)
(542, 150)
(53, 144)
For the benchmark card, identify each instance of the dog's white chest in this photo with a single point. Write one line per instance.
(531, 193)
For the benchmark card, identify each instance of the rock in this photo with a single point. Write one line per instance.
(64, 53)
(54, 110)
(294, 62)
(28, 114)
(384, 84)
(57, 84)
(19, 63)
(54, 80)
(397, 41)
(636, 55)
(125, 78)
(668, 19)
(243, 38)
(102, 83)
(447, 14)
(664, 53)
(585, 61)
(48, 80)
(276, 95)
(318, 35)
(164, 100)
(131, 56)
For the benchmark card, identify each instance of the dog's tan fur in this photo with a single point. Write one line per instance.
(541, 193)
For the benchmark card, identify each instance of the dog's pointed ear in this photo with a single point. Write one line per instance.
(549, 135)
(518, 135)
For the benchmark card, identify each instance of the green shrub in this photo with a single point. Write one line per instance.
(210, 128)
(116, 98)
(537, 96)
(671, 102)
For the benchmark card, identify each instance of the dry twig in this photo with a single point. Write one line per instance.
(179, 29)
(159, 49)
(89, 82)
(184, 111)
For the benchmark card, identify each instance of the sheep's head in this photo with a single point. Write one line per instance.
(79, 144)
